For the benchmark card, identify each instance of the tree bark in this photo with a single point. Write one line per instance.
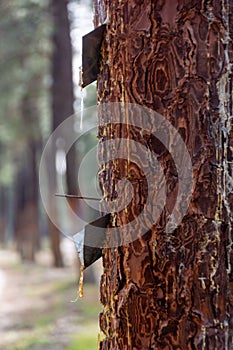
(171, 291)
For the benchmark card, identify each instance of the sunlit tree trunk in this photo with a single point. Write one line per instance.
(172, 291)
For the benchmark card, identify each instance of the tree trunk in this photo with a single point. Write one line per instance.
(27, 214)
(62, 107)
(3, 211)
(27, 220)
(171, 290)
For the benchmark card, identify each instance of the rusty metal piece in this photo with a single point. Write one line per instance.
(90, 240)
(91, 55)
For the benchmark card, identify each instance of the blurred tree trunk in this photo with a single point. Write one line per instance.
(3, 210)
(172, 291)
(27, 214)
(62, 104)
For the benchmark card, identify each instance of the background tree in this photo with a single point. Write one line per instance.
(62, 103)
(24, 104)
(36, 95)
(171, 291)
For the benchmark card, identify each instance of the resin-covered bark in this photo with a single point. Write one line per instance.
(171, 291)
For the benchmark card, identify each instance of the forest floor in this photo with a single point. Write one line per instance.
(36, 312)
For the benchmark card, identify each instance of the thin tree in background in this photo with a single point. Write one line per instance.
(24, 65)
(27, 201)
(26, 68)
(172, 291)
(62, 103)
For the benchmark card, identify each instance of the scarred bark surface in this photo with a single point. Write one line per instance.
(171, 291)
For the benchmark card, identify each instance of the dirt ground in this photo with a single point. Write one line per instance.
(36, 308)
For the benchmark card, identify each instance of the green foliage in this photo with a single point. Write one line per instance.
(31, 342)
(25, 50)
(6, 173)
(86, 340)
(90, 99)
(26, 29)
(25, 45)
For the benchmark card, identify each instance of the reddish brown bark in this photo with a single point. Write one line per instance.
(172, 291)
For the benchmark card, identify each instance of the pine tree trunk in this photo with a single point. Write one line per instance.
(172, 291)
(27, 211)
(62, 107)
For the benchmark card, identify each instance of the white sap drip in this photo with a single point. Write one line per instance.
(81, 109)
